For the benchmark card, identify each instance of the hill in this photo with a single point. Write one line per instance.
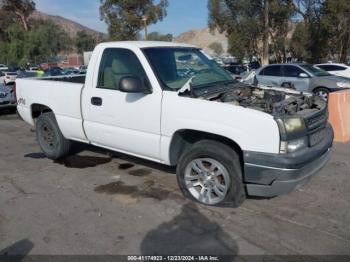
(202, 38)
(69, 26)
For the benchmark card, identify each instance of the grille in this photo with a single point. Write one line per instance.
(317, 120)
(316, 125)
(317, 137)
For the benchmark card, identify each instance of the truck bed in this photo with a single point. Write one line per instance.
(61, 94)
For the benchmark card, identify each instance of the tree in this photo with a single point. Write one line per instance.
(125, 17)
(280, 26)
(311, 34)
(217, 48)
(43, 40)
(299, 42)
(250, 24)
(155, 36)
(335, 24)
(240, 21)
(84, 42)
(21, 8)
(12, 51)
(6, 19)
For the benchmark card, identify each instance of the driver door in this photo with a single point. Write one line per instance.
(125, 122)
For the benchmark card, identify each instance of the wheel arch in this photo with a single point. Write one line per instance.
(319, 87)
(184, 138)
(39, 109)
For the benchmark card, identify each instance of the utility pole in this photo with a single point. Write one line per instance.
(144, 19)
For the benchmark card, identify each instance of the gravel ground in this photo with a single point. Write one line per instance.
(96, 202)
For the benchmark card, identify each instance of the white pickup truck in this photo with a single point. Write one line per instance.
(171, 103)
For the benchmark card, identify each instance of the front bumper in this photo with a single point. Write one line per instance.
(270, 175)
(7, 103)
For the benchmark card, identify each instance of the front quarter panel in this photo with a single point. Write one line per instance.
(329, 82)
(250, 129)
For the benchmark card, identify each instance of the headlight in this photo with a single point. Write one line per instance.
(293, 134)
(343, 85)
(294, 124)
(3, 95)
(291, 126)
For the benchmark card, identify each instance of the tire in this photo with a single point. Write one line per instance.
(50, 138)
(322, 92)
(224, 190)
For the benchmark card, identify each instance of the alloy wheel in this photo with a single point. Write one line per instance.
(207, 180)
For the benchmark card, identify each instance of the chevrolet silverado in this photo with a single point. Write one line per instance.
(171, 103)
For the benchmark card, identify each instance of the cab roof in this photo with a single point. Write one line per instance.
(145, 44)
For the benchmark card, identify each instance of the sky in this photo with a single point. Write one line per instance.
(183, 15)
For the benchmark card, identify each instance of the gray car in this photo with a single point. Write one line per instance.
(7, 98)
(302, 77)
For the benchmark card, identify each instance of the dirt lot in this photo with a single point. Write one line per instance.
(95, 202)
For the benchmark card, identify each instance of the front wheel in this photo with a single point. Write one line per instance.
(322, 92)
(210, 173)
(50, 138)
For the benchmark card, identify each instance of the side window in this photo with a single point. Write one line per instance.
(292, 71)
(337, 68)
(117, 63)
(271, 71)
(332, 68)
(322, 67)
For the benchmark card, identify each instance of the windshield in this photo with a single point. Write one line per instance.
(315, 70)
(175, 66)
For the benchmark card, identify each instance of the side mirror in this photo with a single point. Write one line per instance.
(303, 75)
(133, 84)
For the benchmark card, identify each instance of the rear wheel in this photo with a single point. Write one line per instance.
(50, 138)
(322, 92)
(210, 173)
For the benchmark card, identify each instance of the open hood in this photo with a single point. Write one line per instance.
(277, 102)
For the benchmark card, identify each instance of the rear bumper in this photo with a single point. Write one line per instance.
(270, 175)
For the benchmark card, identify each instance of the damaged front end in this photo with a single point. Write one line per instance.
(274, 102)
(302, 118)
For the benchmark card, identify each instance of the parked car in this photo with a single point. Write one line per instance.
(219, 61)
(54, 71)
(225, 137)
(302, 77)
(8, 77)
(3, 67)
(34, 68)
(237, 71)
(83, 69)
(336, 69)
(14, 69)
(26, 74)
(7, 98)
(70, 71)
(254, 65)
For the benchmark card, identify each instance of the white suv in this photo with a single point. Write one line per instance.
(336, 69)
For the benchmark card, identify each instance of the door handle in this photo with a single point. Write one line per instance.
(96, 101)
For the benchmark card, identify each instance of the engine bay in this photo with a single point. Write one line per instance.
(276, 103)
